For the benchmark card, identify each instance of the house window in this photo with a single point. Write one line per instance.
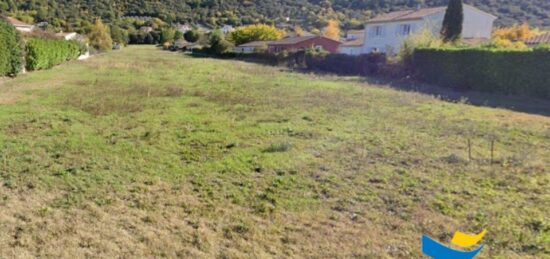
(378, 31)
(405, 29)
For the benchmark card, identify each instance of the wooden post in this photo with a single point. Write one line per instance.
(492, 150)
(469, 150)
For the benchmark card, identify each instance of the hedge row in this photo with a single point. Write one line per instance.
(10, 50)
(341, 64)
(499, 71)
(46, 53)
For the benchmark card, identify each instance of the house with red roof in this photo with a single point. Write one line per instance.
(292, 44)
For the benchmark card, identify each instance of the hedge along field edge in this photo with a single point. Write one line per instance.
(46, 53)
(504, 71)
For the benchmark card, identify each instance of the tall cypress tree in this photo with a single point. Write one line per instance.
(452, 24)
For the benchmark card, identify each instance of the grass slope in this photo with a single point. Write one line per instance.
(144, 153)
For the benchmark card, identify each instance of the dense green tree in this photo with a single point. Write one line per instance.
(10, 49)
(452, 23)
(308, 14)
(218, 43)
(119, 35)
(192, 36)
(178, 35)
(167, 35)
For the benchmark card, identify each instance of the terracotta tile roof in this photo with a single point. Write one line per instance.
(292, 40)
(16, 22)
(255, 44)
(416, 14)
(543, 38)
(296, 40)
(407, 15)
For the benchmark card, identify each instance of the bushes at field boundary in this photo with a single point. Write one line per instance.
(500, 71)
(46, 53)
(40, 52)
(10, 50)
(340, 64)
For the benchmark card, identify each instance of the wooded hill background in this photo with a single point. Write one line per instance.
(306, 13)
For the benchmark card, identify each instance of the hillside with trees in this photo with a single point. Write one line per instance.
(310, 14)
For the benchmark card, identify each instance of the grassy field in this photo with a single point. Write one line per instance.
(145, 153)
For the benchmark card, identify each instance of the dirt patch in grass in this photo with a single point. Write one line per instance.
(103, 98)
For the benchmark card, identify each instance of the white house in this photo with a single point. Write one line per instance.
(19, 25)
(227, 29)
(387, 32)
(355, 34)
(252, 47)
(352, 48)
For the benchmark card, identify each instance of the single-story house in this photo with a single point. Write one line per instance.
(227, 29)
(183, 28)
(301, 43)
(352, 35)
(353, 47)
(539, 39)
(386, 33)
(252, 47)
(19, 25)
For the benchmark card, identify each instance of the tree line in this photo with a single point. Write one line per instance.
(77, 15)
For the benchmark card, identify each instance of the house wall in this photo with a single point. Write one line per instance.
(327, 44)
(351, 50)
(354, 36)
(245, 50)
(391, 38)
(477, 24)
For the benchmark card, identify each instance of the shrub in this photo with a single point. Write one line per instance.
(192, 36)
(100, 37)
(515, 33)
(542, 47)
(46, 53)
(424, 38)
(499, 43)
(368, 64)
(218, 43)
(10, 50)
(493, 70)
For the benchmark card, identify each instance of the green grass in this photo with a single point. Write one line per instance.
(144, 153)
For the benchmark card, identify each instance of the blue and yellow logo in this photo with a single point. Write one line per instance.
(436, 250)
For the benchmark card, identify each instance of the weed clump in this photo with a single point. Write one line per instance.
(277, 147)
